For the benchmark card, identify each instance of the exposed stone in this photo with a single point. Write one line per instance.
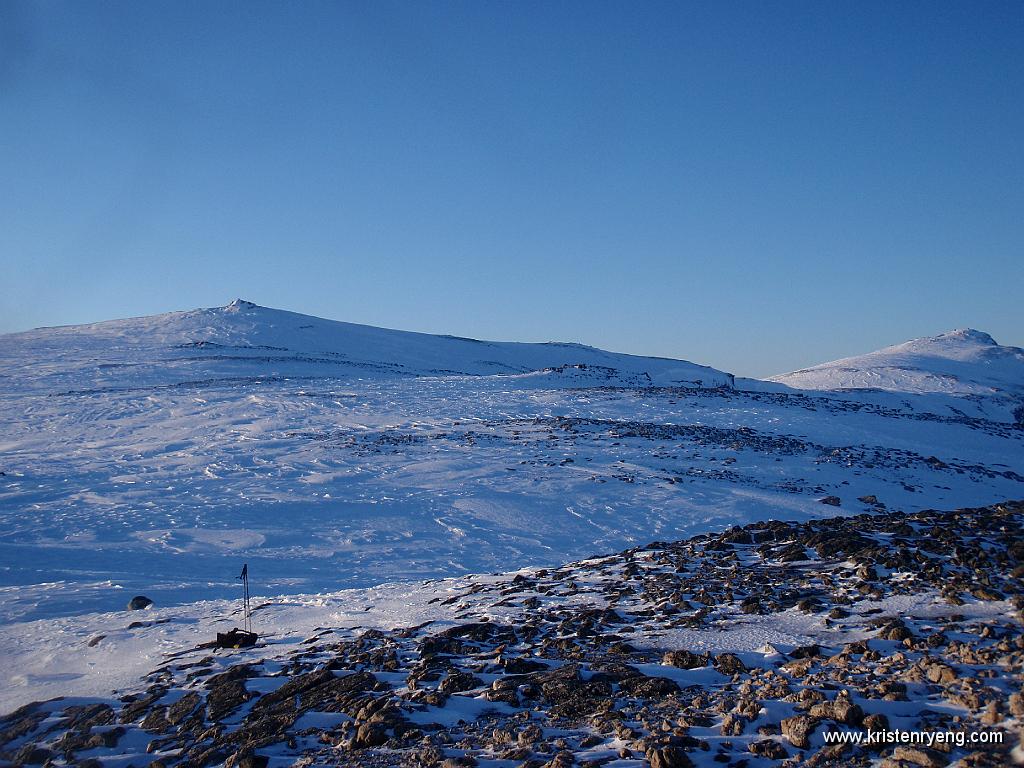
(227, 691)
(876, 721)
(798, 730)
(729, 664)
(646, 687)
(369, 735)
(32, 754)
(841, 710)
(942, 674)
(768, 748)
(1016, 705)
(563, 667)
(927, 758)
(459, 681)
(684, 659)
(668, 757)
(732, 725)
(246, 758)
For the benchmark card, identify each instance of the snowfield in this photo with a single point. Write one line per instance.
(156, 455)
(964, 362)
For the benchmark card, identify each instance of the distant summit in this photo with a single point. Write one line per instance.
(244, 339)
(963, 334)
(964, 362)
(239, 304)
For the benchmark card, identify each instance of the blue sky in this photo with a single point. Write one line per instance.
(754, 186)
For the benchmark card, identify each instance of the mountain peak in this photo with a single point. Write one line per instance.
(292, 344)
(240, 304)
(964, 361)
(968, 334)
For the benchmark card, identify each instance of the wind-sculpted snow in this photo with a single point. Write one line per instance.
(153, 456)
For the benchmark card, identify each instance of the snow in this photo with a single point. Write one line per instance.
(155, 455)
(962, 363)
(54, 657)
(165, 349)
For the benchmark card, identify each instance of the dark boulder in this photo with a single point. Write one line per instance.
(246, 758)
(668, 757)
(455, 682)
(768, 748)
(645, 687)
(369, 735)
(684, 659)
(729, 664)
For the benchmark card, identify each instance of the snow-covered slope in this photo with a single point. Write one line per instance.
(866, 619)
(154, 455)
(244, 338)
(962, 363)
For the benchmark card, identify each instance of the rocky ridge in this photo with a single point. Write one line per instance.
(913, 622)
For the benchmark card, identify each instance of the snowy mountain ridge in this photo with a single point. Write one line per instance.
(220, 340)
(962, 362)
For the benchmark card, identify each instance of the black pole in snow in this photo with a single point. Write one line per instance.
(247, 618)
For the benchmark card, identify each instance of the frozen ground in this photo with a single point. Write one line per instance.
(744, 647)
(99, 654)
(153, 456)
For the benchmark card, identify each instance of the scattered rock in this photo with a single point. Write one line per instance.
(729, 664)
(768, 748)
(732, 725)
(798, 730)
(369, 735)
(564, 681)
(245, 758)
(841, 710)
(927, 758)
(684, 660)
(942, 674)
(805, 652)
(668, 757)
(31, 754)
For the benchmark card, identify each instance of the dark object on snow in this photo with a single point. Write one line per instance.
(245, 637)
(236, 638)
(139, 602)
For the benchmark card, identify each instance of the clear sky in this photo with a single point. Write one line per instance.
(756, 186)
